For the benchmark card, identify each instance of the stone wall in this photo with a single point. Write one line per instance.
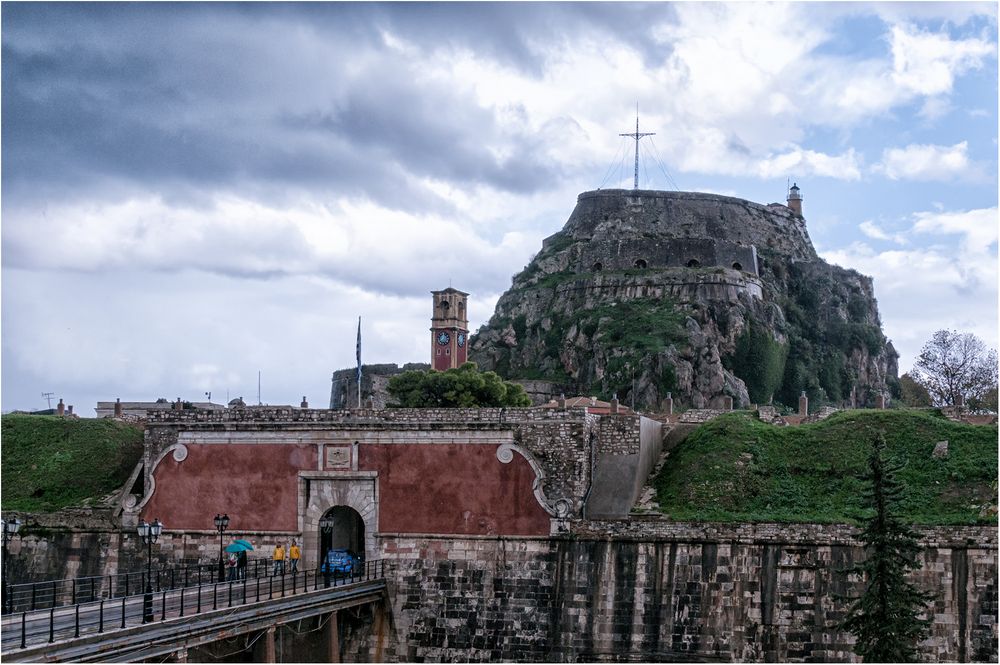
(374, 384)
(671, 592)
(612, 590)
(694, 215)
(663, 253)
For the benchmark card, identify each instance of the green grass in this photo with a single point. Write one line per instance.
(736, 468)
(51, 462)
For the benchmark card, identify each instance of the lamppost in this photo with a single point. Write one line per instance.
(221, 524)
(10, 528)
(149, 533)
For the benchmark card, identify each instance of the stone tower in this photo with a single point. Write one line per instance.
(795, 200)
(449, 329)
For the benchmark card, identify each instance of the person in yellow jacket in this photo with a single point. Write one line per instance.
(294, 553)
(279, 560)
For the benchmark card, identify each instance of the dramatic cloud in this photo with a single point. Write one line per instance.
(231, 184)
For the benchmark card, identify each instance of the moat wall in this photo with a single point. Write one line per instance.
(615, 590)
(684, 592)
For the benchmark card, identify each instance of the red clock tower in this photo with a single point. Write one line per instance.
(449, 329)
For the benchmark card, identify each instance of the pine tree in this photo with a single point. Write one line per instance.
(885, 618)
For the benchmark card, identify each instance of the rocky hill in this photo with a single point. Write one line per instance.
(645, 293)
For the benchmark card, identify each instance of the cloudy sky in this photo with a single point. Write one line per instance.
(193, 193)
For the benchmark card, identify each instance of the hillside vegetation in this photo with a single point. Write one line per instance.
(736, 468)
(50, 462)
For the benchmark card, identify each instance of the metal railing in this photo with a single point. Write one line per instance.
(70, 621)
(30, 596)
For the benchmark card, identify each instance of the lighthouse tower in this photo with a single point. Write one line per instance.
(795, 200)
(449, 329)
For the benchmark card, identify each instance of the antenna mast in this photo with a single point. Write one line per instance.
(48, 397)
(637, 135)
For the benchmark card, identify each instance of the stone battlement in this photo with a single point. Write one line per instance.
(264, 415)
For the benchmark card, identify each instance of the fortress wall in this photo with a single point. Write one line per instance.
(624, 254)
(732, 593)
(694, 215)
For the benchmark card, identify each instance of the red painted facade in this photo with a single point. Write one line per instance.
(423, 488)
(254, 483)
(454, 489)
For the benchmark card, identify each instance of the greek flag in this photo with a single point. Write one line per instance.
(359, 362)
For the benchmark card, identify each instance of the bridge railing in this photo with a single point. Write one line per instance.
(46, 625)
(30, 596)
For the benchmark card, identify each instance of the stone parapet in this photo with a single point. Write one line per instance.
(657, 528)
(263, 415)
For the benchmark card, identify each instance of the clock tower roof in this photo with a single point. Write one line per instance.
(449, 290)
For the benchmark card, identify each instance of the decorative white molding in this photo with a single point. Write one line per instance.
(151, 485)
(180, 452)
(559, 508)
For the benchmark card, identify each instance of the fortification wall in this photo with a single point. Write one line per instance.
(690, 215)
(635, 590)
(653, 253)
(691, 592)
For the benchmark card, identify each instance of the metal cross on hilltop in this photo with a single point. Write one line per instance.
(637, 135)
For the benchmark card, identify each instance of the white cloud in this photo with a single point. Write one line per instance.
(978, 228)
(925, 162)
(870, 229)
(355, 242)
(927, 63)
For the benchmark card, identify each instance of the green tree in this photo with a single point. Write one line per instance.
(953, 365)
(912, 393)
(463, 386)
(885, 618)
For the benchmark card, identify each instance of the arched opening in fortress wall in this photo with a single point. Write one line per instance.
(341, 528)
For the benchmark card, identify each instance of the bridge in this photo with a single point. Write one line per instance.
(171, 622)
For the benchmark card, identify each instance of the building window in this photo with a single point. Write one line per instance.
(438, 352)
(447, 352)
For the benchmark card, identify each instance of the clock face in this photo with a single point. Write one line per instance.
(461, 339)
(443, 338)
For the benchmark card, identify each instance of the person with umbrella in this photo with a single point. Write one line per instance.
(238, 559)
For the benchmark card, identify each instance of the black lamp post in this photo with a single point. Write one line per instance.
(149, 533)
(221, 524)
(10, 528)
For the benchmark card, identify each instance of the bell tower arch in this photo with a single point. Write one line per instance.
(449, 329)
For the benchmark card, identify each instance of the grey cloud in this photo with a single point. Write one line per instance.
(165, 96)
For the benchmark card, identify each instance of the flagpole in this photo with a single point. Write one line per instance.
(359, 362)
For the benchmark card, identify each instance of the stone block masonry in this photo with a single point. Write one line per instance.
(621, 590)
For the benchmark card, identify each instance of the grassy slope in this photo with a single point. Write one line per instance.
(51, 462)
(736, 468)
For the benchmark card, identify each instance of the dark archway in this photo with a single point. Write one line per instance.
(738, 266)
(693, 263)
(341, 528)
(640, 263)
(598, 267)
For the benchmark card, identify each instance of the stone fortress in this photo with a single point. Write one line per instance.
(512, 534)
(696, 272)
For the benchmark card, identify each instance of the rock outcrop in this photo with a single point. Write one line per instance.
(645, 293)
